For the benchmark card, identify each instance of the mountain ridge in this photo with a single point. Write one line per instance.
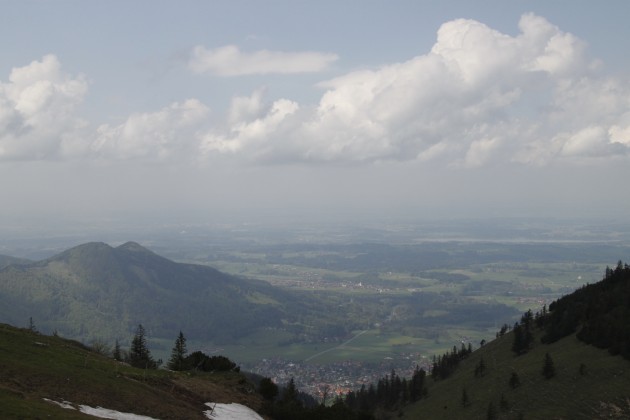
(93, 286)
(6, 260)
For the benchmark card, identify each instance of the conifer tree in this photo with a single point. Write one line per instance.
(465, 399)
(290, 394)
(31, 325)
(178, 354)
(417, 389)
(515, 381)
(117, 354)
(504, 405)
(480, 369)
(523, 337)
(517, 344)
(268, 389)
(549, 370)
(139, 354)
(492, 412)
(582, 369)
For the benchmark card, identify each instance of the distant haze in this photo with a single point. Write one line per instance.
(117, 113)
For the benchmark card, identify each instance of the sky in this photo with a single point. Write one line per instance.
(126, 112)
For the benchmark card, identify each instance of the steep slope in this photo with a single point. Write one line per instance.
(587, 338)
(597, 390)
(97, 291)
(35, 368)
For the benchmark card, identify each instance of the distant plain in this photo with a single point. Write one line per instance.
(415, 289)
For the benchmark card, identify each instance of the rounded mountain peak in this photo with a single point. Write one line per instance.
(133, 247)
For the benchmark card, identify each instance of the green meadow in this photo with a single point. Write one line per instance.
(423, 298)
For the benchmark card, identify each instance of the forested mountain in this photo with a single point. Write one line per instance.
(5, 261)
(570, 361)
(95, 290)
(599, 312)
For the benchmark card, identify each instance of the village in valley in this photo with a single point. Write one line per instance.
(336, 379)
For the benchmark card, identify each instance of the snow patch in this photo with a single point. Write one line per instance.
(62, 404)
(105, 413)
(100, 412)
(218, 411)
(232, 411)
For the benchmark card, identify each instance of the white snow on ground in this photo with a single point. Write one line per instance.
(217, 411)
(104, 413)
(100, 412)
(62, 404)
(232, 411)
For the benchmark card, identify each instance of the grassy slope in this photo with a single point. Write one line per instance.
(34, 367)
(603, 392)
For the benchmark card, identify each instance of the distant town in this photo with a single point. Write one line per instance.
(330, 380)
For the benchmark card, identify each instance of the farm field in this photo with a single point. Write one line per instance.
(423, 298)
(401, 304)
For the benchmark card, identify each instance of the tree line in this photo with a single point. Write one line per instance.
(140, 356)
(599, 315)
(390, 392)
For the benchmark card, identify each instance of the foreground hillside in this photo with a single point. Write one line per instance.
(600, 391)
(35, 368)
(571, 362)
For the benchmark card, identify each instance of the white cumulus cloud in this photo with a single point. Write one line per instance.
(229, 60)
(38, 111)
(620, 134)
(478, 96)
(160, 135)
(252, 124)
